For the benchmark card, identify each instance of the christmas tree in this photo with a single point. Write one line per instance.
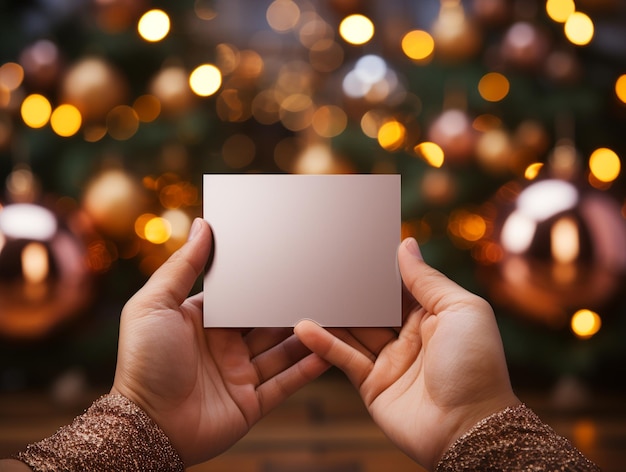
(111, 111)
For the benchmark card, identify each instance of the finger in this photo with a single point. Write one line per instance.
(279, 358)
(430, 288)
(278, 388)
(374, 339)
(171, 283)
(354, 363)
(259, 340)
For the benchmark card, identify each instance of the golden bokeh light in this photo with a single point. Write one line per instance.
(66, 120)
(157, 230)
(391, 135)
(282, 15)
(122, 122)
(36, 110)
(467, 225)
(154, 25)
(11, 76)
(35, 265)
(356, 29)
(329, 121)
(493, 87)
(418, 45)
(605, 165)
(532, 171)
(585, 323)
(140, 224)
(560, 10)
(620, 87)
(579, 29)
(205, 80)
(147, 107)
(431, 152)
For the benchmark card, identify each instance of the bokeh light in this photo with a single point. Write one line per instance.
(560, 10)
(66, 120)
(122, 122)
(418, 45)
(391, 135)
(157, 230)
(467, 225)
(620, 87)
(585, 323)
(329, 121)
(282, 15)
(579, 29)
(36, 110)
(532, 171)
(154, 25)
(604, 164)
(431, 152)
(11, 76)
(493, 87)
(147, 107)
(356, 29)
(205, 80)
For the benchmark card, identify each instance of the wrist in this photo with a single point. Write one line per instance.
(113, 434)
(467, 418)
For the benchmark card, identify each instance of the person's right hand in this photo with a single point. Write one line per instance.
(430, 382)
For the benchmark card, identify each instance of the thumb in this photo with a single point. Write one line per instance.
(176, 276)
(430, 288)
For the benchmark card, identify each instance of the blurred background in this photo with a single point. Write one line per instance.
(505, 119)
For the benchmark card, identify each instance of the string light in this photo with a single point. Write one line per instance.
(205, 80)
(36, 110)
(356, 29)
(579, 29)
(66, 120)
(604, 164)
(585, 323)
(560, 10)
(154, 25)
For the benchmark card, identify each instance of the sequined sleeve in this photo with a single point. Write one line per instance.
(514, 439)
(113, 434)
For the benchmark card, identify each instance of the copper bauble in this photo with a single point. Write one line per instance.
(113, 200)
(555, 247)
(453, 132)
(95, 87)
(44, 276)
(525, 46)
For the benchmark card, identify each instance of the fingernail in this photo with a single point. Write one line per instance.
(413, 248)
(195, 229)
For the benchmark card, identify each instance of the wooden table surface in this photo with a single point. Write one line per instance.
(325, 428)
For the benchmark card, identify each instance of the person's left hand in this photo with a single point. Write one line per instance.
(205, 388)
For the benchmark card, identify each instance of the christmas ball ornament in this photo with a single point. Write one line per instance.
(42, 64)
(525, 46)
(95, 87)
(494, 150)
(453, 132)
(44, 277)
(114, 200)
(456, 37)
(171, 87)
(554, 247)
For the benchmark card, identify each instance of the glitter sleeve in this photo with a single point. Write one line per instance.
(113, 434)
(514, 439)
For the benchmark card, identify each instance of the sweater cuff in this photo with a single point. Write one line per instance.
(113, 434)
(513, 439)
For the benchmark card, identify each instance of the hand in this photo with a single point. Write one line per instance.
(205, 388)
(428, 383)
